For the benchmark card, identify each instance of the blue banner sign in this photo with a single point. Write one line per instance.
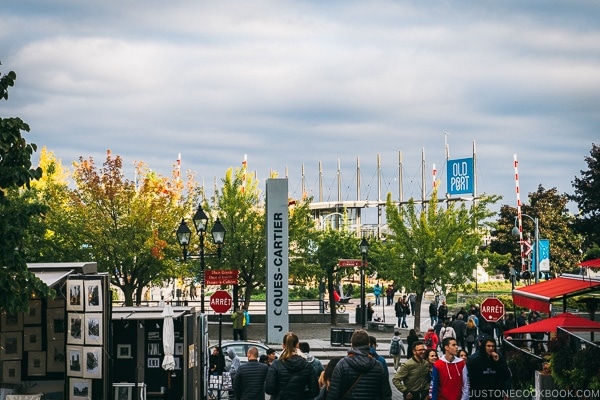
(544, 256)
(461, 178)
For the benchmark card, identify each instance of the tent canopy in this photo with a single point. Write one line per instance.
(591, 263)
(539, 296)
(565, 320)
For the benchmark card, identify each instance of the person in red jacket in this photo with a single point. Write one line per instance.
(431, 340)
(449, 377)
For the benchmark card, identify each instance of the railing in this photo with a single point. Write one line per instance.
(306, 306)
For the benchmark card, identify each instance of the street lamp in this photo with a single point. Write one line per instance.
(184, 235)
(517, 232)
(364, 249)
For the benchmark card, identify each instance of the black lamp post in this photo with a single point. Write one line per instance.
(184, 236)
(364, 249)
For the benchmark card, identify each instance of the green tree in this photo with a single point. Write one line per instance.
(587, 197)
(244, 221)
(330, 246)
(49, 238)
(17, 208)
(127, 227)
(436, 246)
(554, 223)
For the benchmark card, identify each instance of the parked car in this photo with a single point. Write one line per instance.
(241, 349)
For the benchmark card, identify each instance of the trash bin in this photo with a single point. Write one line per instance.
(337, 337)
(359, 316)
(347, 335)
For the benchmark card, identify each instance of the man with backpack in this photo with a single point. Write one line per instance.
(396, 349)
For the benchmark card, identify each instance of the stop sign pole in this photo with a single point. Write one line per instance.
(220, 302)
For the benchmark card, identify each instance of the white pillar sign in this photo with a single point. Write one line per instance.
(277, 259)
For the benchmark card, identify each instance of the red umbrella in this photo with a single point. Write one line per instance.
(565, 320)
(591, 263)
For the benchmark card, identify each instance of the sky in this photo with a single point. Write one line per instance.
(295, 84)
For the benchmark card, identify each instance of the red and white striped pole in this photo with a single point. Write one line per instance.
(244, 166)
(434, 176)
(519, 217)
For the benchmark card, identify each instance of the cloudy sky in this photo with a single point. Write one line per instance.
(292, 83)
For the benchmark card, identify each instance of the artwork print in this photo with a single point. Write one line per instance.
(93, 295)
(75, 328)
(75, 295)
(93, 328)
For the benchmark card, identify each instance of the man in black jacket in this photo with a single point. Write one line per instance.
(489, 375)
(248, 383)
(359, 375)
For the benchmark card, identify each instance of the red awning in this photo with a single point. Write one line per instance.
(591, 263)
(567, 321)
(538, 297)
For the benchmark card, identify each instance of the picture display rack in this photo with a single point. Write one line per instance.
(87, 313)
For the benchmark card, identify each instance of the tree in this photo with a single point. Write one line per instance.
(554, 224)
(587, 197)
(127, 227)
(436, 246)
(17, 283)
(330, 246)
(244, 221)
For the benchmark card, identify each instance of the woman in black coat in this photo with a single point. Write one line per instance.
(291, 376)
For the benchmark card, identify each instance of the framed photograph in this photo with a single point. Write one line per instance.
(74, 361)
(154, 349)
(56, 302)
(154, 362)
(34, 316)
(154, 335)
(75, 295)
(80, 389)
(32, 338)
(55, 321)
(75, 328)
(178, 349)
(124, 351)
(93, 295)
(123, 392)
(11, 372)
(177, 362)
(55, 356)
(93, 328)
(36, 363)
(92, 362)
(11, 322)
(191, 356)
(11, 345)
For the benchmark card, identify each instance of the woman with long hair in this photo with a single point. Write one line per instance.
(325, 378)
(410, 339)
(431, 356)
(291, 376)
(471, 335)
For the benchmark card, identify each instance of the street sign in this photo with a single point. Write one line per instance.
(220, 301)
(348, 263)
(221, 276)
(492, 309)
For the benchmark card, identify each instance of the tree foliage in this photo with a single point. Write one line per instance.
(554, 223)
(17, 208)
(127, 227)
(587, 197)
(435, 245)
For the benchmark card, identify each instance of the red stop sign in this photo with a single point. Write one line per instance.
(220, 301)
(492, 309)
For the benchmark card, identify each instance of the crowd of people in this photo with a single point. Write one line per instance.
(457, 358)
(297, 375)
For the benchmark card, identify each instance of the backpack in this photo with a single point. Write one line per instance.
(395, 347)
(429, 342)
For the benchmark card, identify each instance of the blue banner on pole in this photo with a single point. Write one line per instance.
(461, 178)
(544, 256)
